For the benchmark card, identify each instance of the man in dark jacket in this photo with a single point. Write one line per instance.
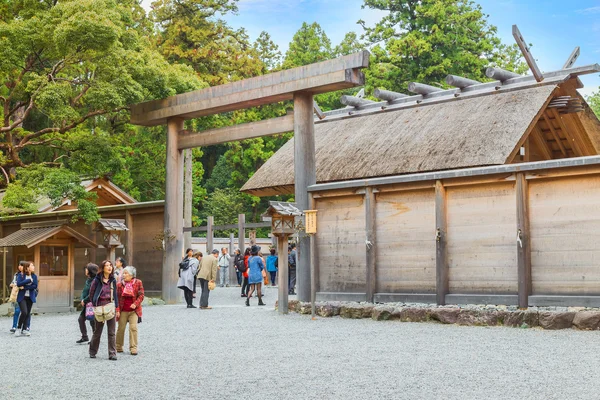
(292, 259)
(90, 271)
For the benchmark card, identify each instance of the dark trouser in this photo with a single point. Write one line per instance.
(205, 293)
(273, 277)
(195, 280)
(245, 286)
(95, 344)
(239, 277)
(25, 305)
(82, 327)
(292, 280)
(188, 295)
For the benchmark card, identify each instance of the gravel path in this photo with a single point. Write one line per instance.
(235, 352)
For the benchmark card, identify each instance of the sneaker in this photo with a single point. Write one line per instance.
(13, 330)
(92, 356)
(82, 340)
(17, 333)
(25, 333)
(112, 358)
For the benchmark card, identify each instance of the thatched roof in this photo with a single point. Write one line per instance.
(463, 133)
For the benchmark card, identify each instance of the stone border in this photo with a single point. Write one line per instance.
(546, 318)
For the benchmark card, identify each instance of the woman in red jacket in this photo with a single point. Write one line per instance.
(245, 285)
(131, 294)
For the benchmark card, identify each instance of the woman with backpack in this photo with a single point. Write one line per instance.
(238, 262)
(90, 271)
(272, 266)
(131, 294)
(188, 269)
(27, 282)
(245, 285)
(103, 293)
(17, 312)
(256, 266)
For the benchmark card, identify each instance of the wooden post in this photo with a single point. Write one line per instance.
(242, 232)
(523, 245)
(129, 236)
(441, 260)
(282, 274)
(304, 175)
(232, 274)
(370, 243)
(173, 214)
(187, 197)
(313, 261)
(210, 222)
(252, 236)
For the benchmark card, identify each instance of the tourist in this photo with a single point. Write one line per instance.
(245, 285)
(208, 273)
(90, 271)
(17, 312)
(272, 266)
(292, 260)
(188, 269)
(197, 256)
(255, 278)
(27, 282)
(224, 268)
(103, 291)
(119, 265)
(131, 295)
(238, 261)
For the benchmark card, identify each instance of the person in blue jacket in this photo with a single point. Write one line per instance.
(255, 278)
(27, 282)
(272, 266)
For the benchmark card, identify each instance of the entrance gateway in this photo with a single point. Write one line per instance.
(297, 84)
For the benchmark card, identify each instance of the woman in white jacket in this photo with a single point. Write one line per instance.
(188, 268)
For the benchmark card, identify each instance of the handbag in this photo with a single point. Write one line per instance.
(89, 312)
(13, 294)
(106, 312)
(211, 285)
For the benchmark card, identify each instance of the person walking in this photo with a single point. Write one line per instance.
(208, 273)
(90, 271)
(292, 259)
(272, 266)
(238, 262)
(255, 278)
(103, 291)
(188, 269)
(245, 285)
(224, 268)
(119, 265)
(17, 312)
(130, 294)
(27, 282)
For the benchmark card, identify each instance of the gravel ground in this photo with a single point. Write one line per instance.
(234, 352)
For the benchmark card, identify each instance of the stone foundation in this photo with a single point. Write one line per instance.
(468, 315)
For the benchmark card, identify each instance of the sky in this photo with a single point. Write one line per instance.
(553, 27)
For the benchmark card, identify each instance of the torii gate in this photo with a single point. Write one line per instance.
(297, 84)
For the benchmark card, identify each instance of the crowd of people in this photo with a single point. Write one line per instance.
(112, 295)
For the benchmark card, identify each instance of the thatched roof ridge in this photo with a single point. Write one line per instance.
(456, 134)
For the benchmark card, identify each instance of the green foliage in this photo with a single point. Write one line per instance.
(225, 205)
(268, 52)
(425, 40)
(309, 45)
(38, 183)
(594, 102)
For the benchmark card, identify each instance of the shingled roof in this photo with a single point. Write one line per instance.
(478, 131)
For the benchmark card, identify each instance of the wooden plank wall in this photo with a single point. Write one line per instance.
(341, 244)
(565, 235)
(481, 238)
(405, 246)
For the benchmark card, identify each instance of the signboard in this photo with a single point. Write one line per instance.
(310, 222)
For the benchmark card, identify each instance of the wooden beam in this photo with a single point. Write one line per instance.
(555, 135)
(441, 258)
(527, 54)
(460, 81)
(541, 143)
(320, 114)
(268, 127)
(215, 228)
(388, 95)
(210, 222)
(354, 101)
(572, 58)
(129, 237)
(575, 145)
(242, 232)
(423, 89)
(523, 245)
(371, 252)
(282, 275)
(187, 196)
(326, 76)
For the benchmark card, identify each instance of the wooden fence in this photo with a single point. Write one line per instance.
(526, 234)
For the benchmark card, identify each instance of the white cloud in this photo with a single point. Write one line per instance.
(590, 10)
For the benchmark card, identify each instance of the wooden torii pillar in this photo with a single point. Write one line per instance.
(297, 84)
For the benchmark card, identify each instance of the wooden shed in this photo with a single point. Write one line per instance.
(483, 194)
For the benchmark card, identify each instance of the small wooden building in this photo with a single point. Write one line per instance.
(61, 248)
(484, 194)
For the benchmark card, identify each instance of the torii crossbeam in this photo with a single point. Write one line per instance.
(297, 84)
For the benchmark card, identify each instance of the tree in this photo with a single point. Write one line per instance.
(594, 102)
(350, 44)
(190, 33)
(268, 52)
(309, 45)
(69, 68)
(425, 40)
